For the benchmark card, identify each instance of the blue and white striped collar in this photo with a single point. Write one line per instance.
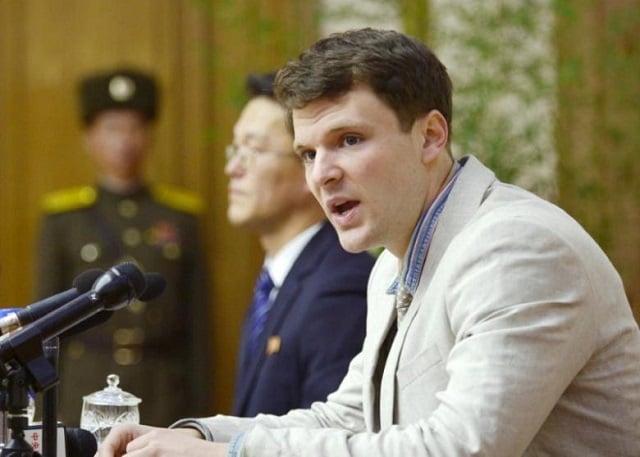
(421, 239)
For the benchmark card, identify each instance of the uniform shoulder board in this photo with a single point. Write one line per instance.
(177, 198)
(61, 201)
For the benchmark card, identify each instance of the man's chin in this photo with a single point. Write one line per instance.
(352, 243)
(236, 219)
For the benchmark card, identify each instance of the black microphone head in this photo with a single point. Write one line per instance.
(84, 281)
(80, 443)
(155, 286)
(134, 276)
(119, 285)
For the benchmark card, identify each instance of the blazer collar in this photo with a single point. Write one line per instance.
(470, 190)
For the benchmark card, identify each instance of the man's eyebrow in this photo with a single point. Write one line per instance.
(297, 147)
(339, 128)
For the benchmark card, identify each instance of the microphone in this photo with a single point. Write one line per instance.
(155, 286)
(111, 291)
(81, 284)
(118, 286)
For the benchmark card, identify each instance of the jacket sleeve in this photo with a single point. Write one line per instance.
(342, 410)
(522, 327)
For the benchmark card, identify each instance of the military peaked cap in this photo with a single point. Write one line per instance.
(120, 89)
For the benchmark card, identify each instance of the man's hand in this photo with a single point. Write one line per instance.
(144, 441)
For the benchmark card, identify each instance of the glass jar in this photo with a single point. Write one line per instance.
(105, 408)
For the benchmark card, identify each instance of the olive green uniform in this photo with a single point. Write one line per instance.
(159, 349)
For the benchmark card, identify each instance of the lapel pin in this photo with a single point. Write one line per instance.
(273, 344)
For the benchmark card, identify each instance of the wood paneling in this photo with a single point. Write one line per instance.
(598, 132)
(200, 52)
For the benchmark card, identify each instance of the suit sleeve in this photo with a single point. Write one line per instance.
(341, 411)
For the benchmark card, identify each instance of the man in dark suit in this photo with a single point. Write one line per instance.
(313, 319)
(159, 349)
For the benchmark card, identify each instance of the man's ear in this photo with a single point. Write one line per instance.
(435, 135)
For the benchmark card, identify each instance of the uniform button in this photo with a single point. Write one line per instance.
(137, 307)
(127, 208)
(127, 356)
(171, 251)
(128, 336)
(128, 345)
(90, 252)
(131, 237)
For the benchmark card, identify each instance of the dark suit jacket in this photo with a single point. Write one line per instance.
(314, 328)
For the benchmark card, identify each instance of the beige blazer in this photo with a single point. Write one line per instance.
(519, 341)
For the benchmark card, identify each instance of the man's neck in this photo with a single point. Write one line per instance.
(272, 242)
(120, 186)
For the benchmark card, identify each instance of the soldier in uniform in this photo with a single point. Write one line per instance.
(159, 349)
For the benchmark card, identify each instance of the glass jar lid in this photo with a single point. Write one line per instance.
(112, 394)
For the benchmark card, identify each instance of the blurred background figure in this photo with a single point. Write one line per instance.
(159, 349)
(307, 319)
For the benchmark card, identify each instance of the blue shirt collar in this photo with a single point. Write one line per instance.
(421, 239)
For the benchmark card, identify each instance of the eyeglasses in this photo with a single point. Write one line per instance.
(246, 152)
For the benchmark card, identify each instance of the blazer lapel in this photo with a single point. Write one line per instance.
(304, 265)
(380, 317)
(247, 371)
(385, 317)
(466, 197)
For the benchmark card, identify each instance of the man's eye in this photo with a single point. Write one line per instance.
(350, 140)
(308, 156)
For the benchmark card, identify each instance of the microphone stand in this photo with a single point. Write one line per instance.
(50, 403)
(24, 366)
(17, 403)
(24, 349)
